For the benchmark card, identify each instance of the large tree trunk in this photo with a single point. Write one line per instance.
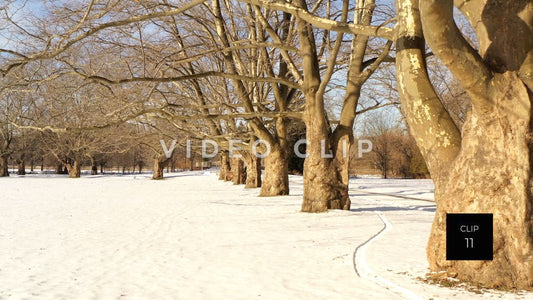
(74, 169)
(253, 171)
(487, 169)
(4, 166)
(492, 174)
(323, 185)
(276, 179)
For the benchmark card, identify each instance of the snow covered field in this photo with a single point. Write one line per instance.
(194, 237)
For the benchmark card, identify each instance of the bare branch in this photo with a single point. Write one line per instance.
(454, 51)
(368, 30)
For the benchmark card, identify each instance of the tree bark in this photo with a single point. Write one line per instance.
(225, 168)
(341, 160)
(159, 166)
(323, 184)
(276, 179)
(253, 171)
(237, 168)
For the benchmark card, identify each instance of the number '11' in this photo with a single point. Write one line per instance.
(469, 242)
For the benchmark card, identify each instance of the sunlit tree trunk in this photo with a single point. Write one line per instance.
(74, 169)
(237, 168)
(225, 167)
(487, 168)
(276, 178)
(253, 171)
(160, 163)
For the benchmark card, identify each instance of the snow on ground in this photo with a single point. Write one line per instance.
(194, 237)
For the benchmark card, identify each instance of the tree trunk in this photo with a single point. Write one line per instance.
(492, 174)
(158, 169)
(253, 171)
(323, 188)
(173, 165)
(159, 166)
(94, 170)
(237, 169)
(94, 167)
(325, 168)
(74, 169)
(4, 166)
(276, 179)
(342, 141)
(225, 168)
(323, 185)
(21, 167)
(486, 168)
(59, 168)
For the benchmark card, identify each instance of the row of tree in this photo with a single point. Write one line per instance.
(84, 73)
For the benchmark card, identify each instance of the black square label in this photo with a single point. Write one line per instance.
(469, 237)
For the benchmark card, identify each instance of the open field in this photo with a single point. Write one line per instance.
(194, 237)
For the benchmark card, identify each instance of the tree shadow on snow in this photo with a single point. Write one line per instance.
(430, 208)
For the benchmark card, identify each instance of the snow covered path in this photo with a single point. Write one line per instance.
(194, 237)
